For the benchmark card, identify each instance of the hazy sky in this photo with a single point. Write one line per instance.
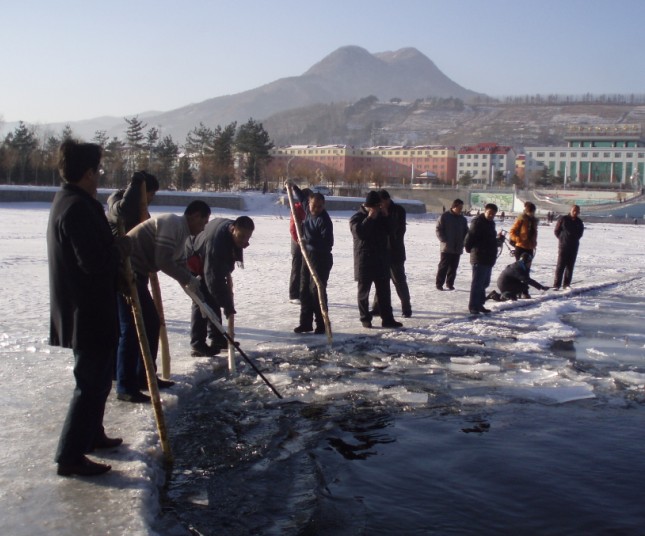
(67, 60)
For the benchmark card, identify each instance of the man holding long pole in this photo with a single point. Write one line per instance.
(317, 241)
(220, 247)
(158, 244)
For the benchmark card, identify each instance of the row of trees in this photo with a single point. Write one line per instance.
(210, 158)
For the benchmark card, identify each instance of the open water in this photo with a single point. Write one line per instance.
(357, 464)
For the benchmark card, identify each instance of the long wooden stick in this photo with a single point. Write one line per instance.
(314, 275)
(156, 298)
(151, 374)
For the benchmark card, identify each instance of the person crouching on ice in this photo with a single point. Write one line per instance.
(514, 281)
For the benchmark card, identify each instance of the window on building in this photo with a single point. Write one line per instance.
(563, 155)
(584, 155)
(574, 155)
(630, 155)
(552, 154)
(540, 154)
(616, 155)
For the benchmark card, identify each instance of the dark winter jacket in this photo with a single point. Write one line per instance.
(569, 231)
(83, 264)
(481, 241)
(524, 232)
(396, 223)
(515, 279)
(371, 255)
(219, 254)
(127, 204)
(451, 231)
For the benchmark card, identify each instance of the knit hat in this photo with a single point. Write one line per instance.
(372, 199)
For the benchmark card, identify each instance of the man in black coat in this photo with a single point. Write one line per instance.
(482, 243)
(568, 230)
(220, 246)
(371, 260)
(396, 224)
(83, 265)
(451, 230)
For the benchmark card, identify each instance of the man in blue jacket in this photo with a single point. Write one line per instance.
(318, 237)
(482, 242)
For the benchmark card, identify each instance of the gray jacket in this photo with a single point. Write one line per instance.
(451, 231)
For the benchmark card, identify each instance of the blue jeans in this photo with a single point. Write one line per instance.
(130, 370)
(481, 280)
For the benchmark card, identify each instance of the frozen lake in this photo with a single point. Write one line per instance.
(451, 425)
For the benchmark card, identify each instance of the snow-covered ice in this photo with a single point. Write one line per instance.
(481, 361)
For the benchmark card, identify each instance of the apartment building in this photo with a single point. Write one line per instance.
(484, 160)
(389, 163)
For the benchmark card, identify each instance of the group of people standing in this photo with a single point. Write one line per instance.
(98, 263)
(482, 242)
(91, 299)
(378, 231)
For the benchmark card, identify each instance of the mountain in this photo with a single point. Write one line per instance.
(346, 75)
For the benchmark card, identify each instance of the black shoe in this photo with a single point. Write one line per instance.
(391, 324)
(217, 346)
(84, 467)
(203, 350)
(439, 287)
(106, 442)
(525, 296)
(164, 384)
(555, 288)
(366, 324)
(494, 295)
(303, 329)
(137, 397)
(484, 310)
(320, 330)
(450, 287)
(473, 311)
(407, 314)
(375, 312)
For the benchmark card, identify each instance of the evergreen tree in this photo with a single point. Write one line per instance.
(199, 148)
(166, 151)
(223, 170)
(23, 142)
(134, 139)
(253, 144)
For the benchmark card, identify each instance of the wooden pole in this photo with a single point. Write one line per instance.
(156, 298)
(312, 271)
(231, 332)
(151, 374)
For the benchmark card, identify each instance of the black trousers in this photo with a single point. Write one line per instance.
(84, 422)
(383, 295)
(564, 268)
(310, 308)
(447, 270)
(400, 280)
(201, 327)
(296, 267)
